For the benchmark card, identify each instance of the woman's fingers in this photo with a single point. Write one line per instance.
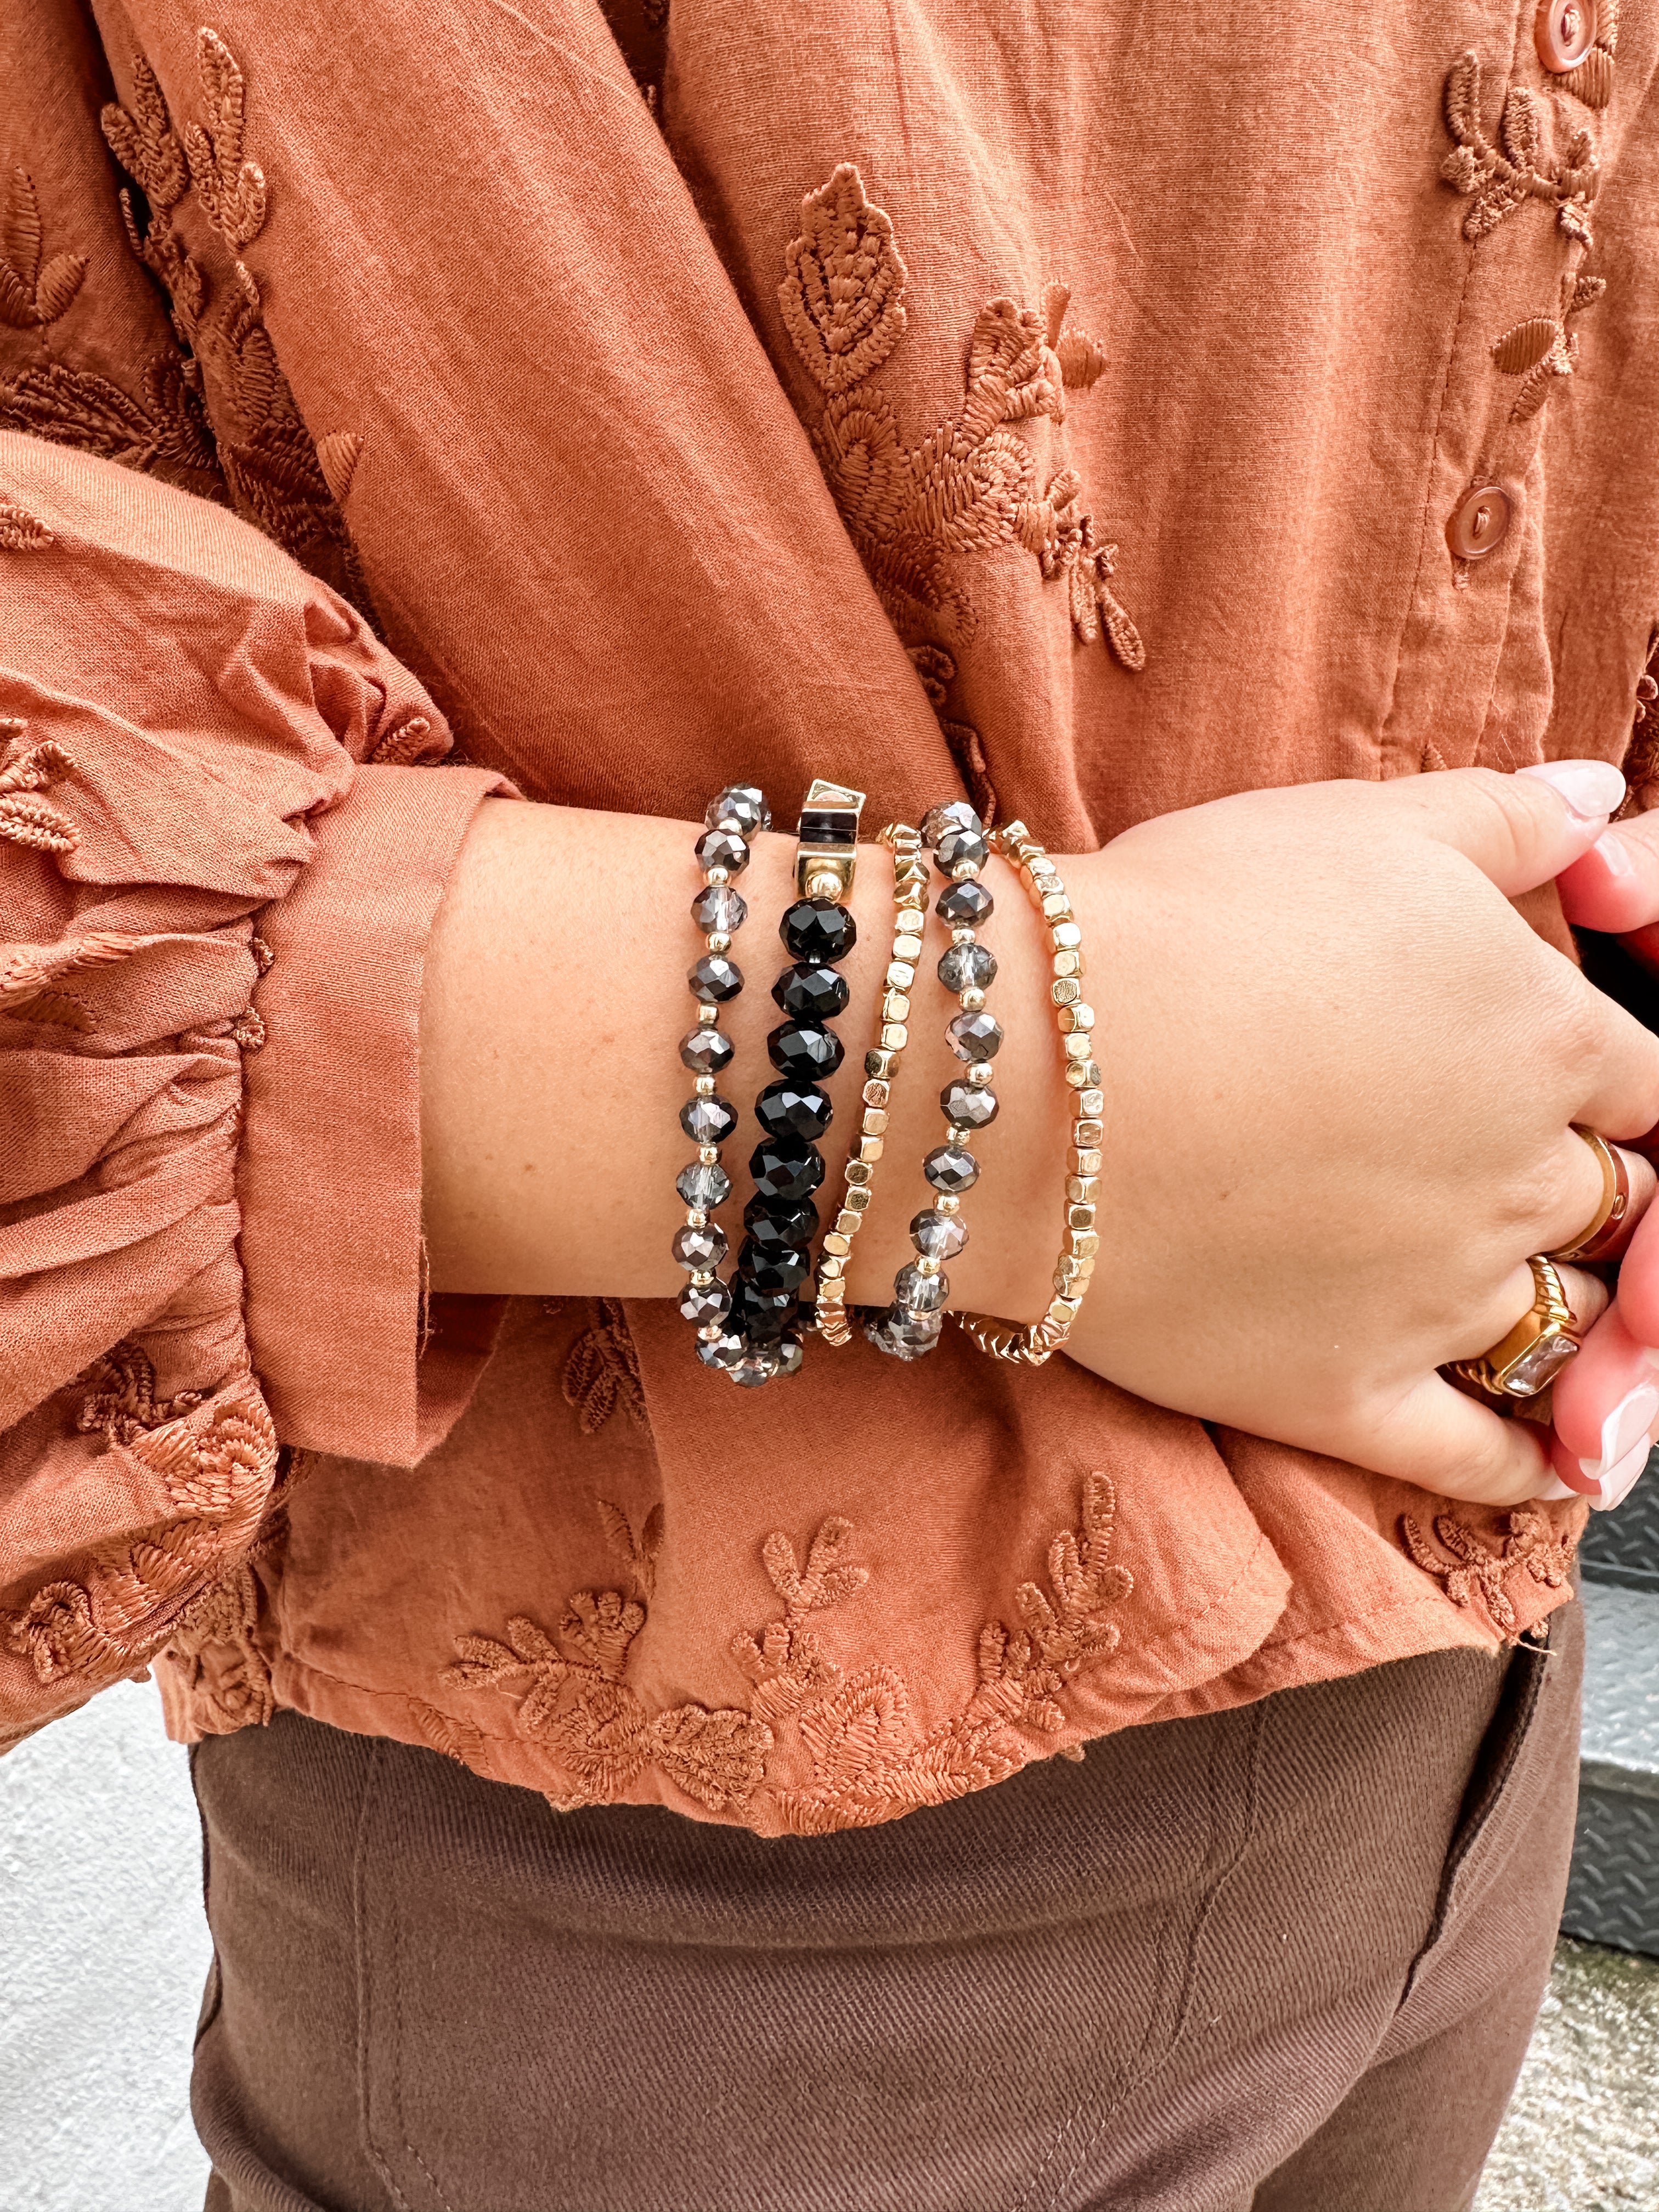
(1444, 1441)
(1520, 830)
(1615, 885)
(1605, 1402)
(1613, 1240)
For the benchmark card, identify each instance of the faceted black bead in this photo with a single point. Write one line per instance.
(713, 978)
(708, 1121)
(958, 845)
(818, 930)
(722, 849)
(725, 1351)
(969, 1105)
(964, 906)
(940, 821)
(703, 1303)
(975, 1036)
(705, 1052)
(818, 993)
(791, 1109)
(740, 807)
(781, 1270)
(700, 1250)
(761, 1315)
(772, 1224)
(717, 906)
(966, 968)
(805, 1051)
(754, 1372)
(790, 1355)
(787, 1167)
(949, 1169)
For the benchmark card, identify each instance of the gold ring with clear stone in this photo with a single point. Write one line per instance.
(1530, 1357)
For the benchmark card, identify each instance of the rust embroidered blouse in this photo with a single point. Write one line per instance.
(1081, 406)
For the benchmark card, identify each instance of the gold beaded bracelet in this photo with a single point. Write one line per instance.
(1031, 1343)
(910, 880)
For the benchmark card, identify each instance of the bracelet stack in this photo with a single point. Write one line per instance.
(720, 910)
(911, 878)
(752, 1326)
(914, 1323)
(1036, 1342)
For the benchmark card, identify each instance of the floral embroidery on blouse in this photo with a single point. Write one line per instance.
(32, 293)
(26, 819)
(1592, 81)
(1499, 183)
(602, 1372)
(127, 1405)
(1476, 1575)
(19, 531)
(853, 1732)
(1544, 348)
(271, 467)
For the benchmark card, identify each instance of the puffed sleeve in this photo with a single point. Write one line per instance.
(224, 832)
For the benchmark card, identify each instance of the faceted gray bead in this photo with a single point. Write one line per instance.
(703, 1184)
(708, 1121)
(717, 906)
(741, 807)
(970, 1105)
(703, 1302)
(724, 1351)
(966, 968)
(722, 849)
(754, 1369)
(705, 1052)
(903, 1336)
(920, 1293)
(940, 821)
(940, 1236)
(699, 1249)
(964, 906)
(958, 845)
(950, 1170)
(790, 1355)
(975, 1036)
(713, 978)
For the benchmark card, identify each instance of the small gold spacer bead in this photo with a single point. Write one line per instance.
(979, 1072)
(708, 1156)
(1045, 883)
(908, 922)
(1064, 1311)
(1079, 1047)
(925, 1264)
(696, 1217)
(718, 941)
(958, 1133)
(830, 1268)
(873, 1122)
(894, 1037)
(947, 1202)
(963, 936)
(1068, 964)
(1083, 1243)
(847, 1222)
(964, 871)
(824, 886)
(1077, 1072)
(711, 1332)
(878, 1063)
(876, 1092)
(717, 875)
(1056, 907)
(703, 1086)
(972, 1000)
(1066, 992)
(703, 1277)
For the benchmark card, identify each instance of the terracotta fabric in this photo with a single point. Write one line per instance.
(1066, 406)
(1287, 1957)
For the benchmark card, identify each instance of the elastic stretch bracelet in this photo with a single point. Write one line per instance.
(914, 1323)
(733, 816)
(910, 880)
(795, 1109)
(1031, 1344)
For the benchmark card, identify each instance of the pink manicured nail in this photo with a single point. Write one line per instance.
(1625, 1427)
(1556, 1492)
(1617, 1485)
(1589, 788)
(1615, 854)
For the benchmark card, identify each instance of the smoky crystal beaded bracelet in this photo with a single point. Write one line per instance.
(719, 909)
(912, 1324)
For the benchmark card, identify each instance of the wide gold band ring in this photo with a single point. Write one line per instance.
(1530, 1357)
(1594, 1241)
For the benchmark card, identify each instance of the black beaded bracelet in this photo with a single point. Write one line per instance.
(775, 1263)
(732, 816)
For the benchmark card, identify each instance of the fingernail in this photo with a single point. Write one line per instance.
(1555, 1492)
(1589, 788)
(1625, 1427)
(1617, 1483)
(1615, 854)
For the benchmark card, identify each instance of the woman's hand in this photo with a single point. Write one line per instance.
(1341, 1072)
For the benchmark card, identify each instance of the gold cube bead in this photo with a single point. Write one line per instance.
(1079, 1073)
(895, 1007)
(878, 1064)
(1068, 964)
(855, 1198)
(907, 923)
(1064, 1311)
(1045, 884)
(1090, 1104)
(847, 1222)
(830, 1268)
(1066, 937)
(900, 974)
(1056, 907)
(835, 1243)
(858, 1174)
(1083, 1159)
(1082, 1190)
(873, 1122)
(1087, 1133)
(906, 947)
(876, 1092)
(1083, 1243)
(1066, 992)
(1080, 1216)
(1077, 1020)
(1079, 1047)
(894, 1037)
(870, 1149)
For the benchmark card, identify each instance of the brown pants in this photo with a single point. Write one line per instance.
(1285, 1958)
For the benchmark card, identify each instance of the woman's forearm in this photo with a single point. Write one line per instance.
(554, 1001)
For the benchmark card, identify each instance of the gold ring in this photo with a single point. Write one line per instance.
(1531, 1356)
(1609, 1219)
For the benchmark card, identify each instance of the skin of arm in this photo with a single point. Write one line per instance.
(1339, 1066)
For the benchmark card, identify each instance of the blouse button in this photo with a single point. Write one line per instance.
(1478, 526)
(1564, 31)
